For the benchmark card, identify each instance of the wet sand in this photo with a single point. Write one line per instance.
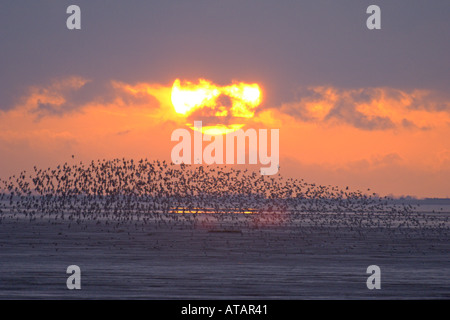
(181, 260)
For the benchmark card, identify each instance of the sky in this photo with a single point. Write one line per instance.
(355, 107)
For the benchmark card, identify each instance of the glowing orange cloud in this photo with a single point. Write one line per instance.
(328, 136)
(370, 108)
(124, 126)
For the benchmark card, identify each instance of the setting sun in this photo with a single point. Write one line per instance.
(234, 102)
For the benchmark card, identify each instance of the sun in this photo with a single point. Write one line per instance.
(223, 108)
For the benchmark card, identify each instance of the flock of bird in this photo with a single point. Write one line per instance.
(145, 191)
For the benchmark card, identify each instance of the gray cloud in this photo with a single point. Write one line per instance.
(345, 111)
(280, 44)
(342, 105)
(75, 97)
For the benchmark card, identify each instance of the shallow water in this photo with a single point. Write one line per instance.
(175, 259)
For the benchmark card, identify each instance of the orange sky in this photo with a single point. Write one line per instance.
(386, 139)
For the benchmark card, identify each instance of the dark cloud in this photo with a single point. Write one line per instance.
(62, 96)
(430, 101)
(345, 111)
(344, 105)
(280, 44)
